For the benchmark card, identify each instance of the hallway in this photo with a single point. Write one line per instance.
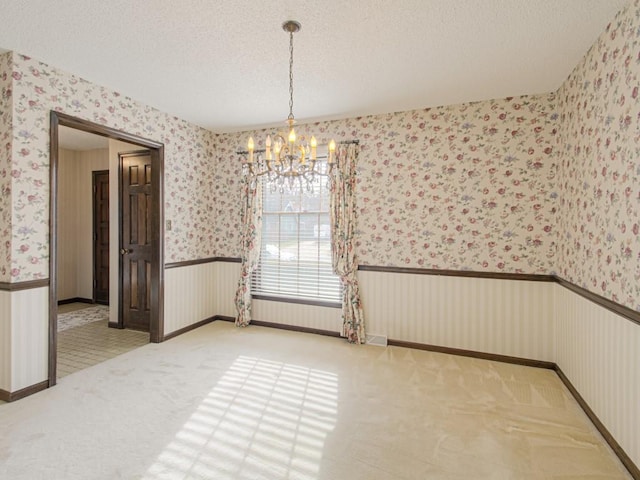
(86, 345)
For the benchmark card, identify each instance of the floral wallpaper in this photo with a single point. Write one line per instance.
(599, 178)
(5, 161)
(534, 184)
(188, 180)
(467, 186)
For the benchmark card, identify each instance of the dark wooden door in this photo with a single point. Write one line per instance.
(135, 245)
(101, 237)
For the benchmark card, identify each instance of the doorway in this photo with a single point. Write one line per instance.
(154, 226)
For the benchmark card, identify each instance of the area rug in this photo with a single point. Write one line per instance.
(82, 317)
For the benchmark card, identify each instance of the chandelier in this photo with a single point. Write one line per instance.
(289, 158)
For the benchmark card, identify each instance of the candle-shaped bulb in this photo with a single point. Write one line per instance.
(267, 144)
(303, 154)
(314, 146)
(276, 150)
(292, 136)
(332, 150)
(250, 146)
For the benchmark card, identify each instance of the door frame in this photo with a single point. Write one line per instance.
(156, 150)
(94, 174)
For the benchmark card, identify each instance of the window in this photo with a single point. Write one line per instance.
(295, 255)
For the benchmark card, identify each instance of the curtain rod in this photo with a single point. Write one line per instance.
(262, 150)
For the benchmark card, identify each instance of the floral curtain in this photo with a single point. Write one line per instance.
(343, 225)
(251, 215)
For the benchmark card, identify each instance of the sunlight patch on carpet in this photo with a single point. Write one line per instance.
(262, 416)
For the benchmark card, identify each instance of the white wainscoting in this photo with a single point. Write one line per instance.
(298, 315)
(5, 341)
(505, 317)
(29, 337)
(189, 295)
(227, 275)
(599, 352)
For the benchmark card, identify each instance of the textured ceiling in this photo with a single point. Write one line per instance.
(223, 64)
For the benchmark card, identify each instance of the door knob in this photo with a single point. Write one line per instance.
(124, 251)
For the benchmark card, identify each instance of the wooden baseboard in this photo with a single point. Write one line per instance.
(257, 323)
(475, 354)
(23, 392)
(114, 325)
(188, 328)
(201, 323)
(615, 446)
(293, 328)
(75, 300)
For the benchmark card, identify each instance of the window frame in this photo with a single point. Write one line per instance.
(289, 297)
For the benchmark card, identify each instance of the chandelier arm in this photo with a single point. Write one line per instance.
(265, 172)
(277, 138)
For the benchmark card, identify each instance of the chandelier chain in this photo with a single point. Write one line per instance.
(291, 75)
(287, 158)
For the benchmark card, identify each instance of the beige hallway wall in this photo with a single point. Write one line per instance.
(68, 224)
(75, 220)
(88, 162)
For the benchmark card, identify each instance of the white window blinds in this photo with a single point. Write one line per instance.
(295, 255)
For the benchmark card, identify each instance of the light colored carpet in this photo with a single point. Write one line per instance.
(258, 403)
(81, 317)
